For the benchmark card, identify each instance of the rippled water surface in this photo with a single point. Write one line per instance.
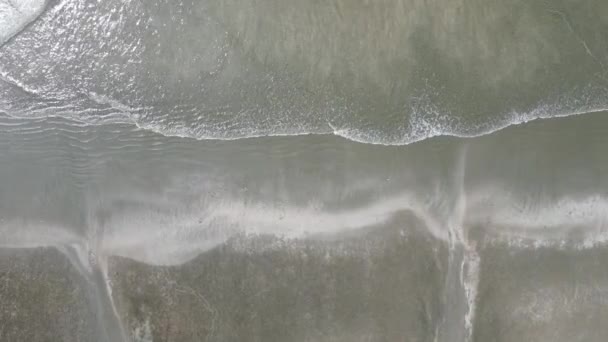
(391, 170)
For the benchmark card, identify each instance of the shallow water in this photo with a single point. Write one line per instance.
(293, 171)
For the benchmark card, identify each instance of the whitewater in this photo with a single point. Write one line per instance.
(292, 170)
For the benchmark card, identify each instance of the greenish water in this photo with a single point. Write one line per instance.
(397, 170)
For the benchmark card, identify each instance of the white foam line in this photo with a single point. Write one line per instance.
(460, 243)
(161, 232)
(115, 104)
(580, 222)
(129, 116)
(517, 119)
(167, 237)
(291, 222)
(27, 234)
(470, 281)
(186, 133)
(351, 134)
(103, 267)
(176, 237)
(4, 76)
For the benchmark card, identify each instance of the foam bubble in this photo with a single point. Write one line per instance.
(16, 14)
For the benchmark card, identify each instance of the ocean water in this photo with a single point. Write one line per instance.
(391, 170)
